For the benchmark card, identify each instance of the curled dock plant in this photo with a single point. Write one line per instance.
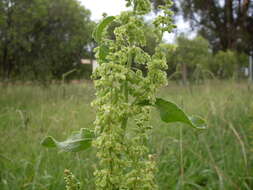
(125, 95)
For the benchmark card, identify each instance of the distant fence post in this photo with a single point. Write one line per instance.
(250, 67)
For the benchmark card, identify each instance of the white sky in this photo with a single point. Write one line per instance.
(114, 7)
(98, 7)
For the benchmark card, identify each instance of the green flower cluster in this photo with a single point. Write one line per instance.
(125, 161)
(164, 22)
(141, 7)
(71, 182)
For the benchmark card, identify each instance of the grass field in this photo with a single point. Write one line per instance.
(219, 158)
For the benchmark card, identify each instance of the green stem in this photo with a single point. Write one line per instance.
(126, 92)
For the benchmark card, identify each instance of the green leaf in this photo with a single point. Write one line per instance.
(170, 112)
(97, 34)
(78, 141)
(103, 52)
(49, 142)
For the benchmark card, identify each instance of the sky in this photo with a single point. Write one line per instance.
(114, 7)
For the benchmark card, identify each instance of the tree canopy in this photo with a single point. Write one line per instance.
(42, 37)
(227, 24)
(193, 59)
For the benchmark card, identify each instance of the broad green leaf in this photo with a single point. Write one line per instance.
(78, 141)
(198, 122)
(170, 112)
(97, 34)
(49, 142)
(103, 52)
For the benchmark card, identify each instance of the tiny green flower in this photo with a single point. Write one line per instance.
(125, 161)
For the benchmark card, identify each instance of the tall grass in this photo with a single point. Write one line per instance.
(219, 158)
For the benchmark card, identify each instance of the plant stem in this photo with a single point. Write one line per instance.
(126, 93)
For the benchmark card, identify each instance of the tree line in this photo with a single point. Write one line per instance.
(43, 39)
(226, 24)
(194, 60)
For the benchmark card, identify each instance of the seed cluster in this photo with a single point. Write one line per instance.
(125, 161)
(71, 182)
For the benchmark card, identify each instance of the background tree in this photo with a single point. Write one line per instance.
(42, 38)
(227, 64)
(190, 54)
(226, 24)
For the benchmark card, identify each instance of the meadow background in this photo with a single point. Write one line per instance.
(43, 47)
(217, 158)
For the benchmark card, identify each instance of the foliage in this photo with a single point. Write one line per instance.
(189, 55)
(71, 181)
(42, 39)
(227, 64)
(225, 24)
(126, 94)
(192, 51)
(169, 50)
(170, 112)
(149, 46)
(185, 158)
(80, 140)
(122, 93)
(200, 62)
